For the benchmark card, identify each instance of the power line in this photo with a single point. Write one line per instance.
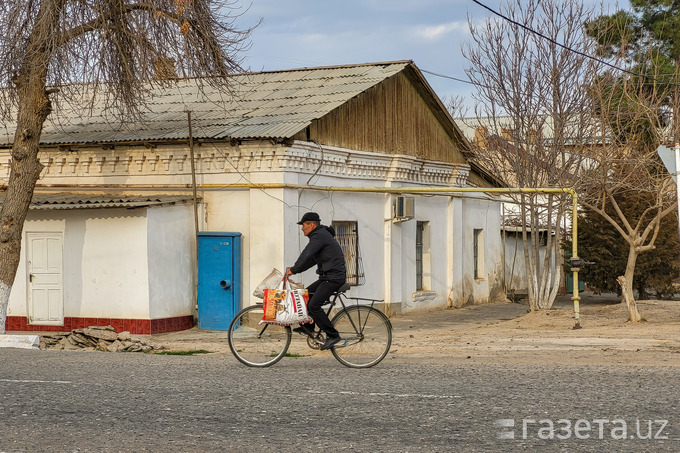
(447, 77)
(531, 30)
(578, 52)
(454, 78)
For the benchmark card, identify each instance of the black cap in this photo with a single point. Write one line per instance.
(309, 217)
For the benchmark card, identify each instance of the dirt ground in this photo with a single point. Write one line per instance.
(508, 334)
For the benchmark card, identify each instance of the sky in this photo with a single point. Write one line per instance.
(307, 33)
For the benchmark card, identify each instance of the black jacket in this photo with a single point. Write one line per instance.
(324, 251)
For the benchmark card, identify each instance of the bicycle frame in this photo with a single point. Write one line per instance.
(341, 297)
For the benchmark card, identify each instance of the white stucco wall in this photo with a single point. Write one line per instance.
(118, 263)
(171, 257)
(105, 266)
(387, 248)
(481, 214)
(515, 266)
(368, 209)
(432, 210)
(229, 211)
(113, 281)
(256, 214)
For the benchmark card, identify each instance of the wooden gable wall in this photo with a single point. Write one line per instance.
(392, 118)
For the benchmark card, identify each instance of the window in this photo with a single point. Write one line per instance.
(346, 233)
(423, 271)
(419, 256)
(478, 253)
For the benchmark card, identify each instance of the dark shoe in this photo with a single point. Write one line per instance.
(302, 330)
(330, 342)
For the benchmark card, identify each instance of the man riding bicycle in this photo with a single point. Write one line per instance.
(324, 251)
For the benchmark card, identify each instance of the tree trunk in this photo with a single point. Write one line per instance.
(25, 170)
(633, 313)
(626, 282)
(34, 108)
(532, 284)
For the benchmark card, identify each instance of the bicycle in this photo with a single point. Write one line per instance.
(365, 331)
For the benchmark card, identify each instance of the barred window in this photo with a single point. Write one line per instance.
(423, 253)
(419, 255)
(347, 235)
(478, 253)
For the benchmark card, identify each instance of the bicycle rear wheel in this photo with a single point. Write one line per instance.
(367, 336)
(255, 344)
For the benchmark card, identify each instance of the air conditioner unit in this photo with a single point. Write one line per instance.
(404, 208)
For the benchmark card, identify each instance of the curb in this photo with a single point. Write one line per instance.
(20, 341)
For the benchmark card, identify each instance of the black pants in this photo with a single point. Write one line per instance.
(319, 292)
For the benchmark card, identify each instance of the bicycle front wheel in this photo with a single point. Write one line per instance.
(367, 336)
(255, 344)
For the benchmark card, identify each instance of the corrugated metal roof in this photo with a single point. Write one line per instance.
(86, 201)
(274, 105)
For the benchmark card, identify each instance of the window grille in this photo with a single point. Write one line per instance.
(347, 235)
(478, 253)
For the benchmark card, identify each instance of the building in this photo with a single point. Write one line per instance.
(525, 151)
(111, 235)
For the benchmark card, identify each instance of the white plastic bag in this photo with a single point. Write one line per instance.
(273, 280)
(285, 306)
(270, 281)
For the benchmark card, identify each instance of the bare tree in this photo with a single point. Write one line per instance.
(625, 165)
(455, 104)
(114, 45)
(533, 117)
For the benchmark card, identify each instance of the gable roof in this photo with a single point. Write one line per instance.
(265, 105)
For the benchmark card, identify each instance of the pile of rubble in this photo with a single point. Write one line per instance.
(101, 338)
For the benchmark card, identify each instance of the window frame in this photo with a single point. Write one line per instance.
(423, 270)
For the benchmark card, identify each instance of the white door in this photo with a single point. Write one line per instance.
(45, 289)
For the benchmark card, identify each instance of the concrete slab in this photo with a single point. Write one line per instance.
(20, 341)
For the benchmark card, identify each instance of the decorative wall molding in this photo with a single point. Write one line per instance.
(252, 157)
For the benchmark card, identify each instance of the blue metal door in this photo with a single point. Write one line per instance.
(219, 279)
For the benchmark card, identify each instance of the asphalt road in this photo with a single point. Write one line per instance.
(56, 401)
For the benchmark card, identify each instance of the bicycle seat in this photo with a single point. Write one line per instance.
(344, 288)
